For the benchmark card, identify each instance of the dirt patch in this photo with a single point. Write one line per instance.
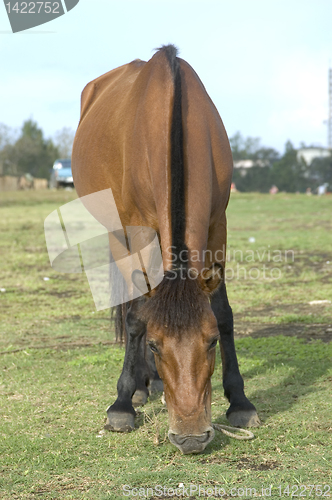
(244, 463)
(308, 332)
(274, 310)
(61, 295)
(61, 346)
(248, 464)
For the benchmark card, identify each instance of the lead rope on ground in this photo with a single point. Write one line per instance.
(226, 430)
(246, 435)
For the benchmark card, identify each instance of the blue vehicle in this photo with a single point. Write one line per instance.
(61, 175)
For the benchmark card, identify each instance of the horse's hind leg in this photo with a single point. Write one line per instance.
(141, 393)
(241, 412)
(155, 382)
(121, 414)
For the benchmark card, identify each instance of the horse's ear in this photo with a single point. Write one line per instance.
(140, 281)
(212, 277)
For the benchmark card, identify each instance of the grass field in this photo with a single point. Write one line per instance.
(55, 389)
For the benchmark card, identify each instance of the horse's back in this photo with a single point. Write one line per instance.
(120, 136)
(123, 143)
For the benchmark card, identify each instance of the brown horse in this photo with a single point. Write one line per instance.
(150, 132)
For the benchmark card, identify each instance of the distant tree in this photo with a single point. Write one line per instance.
(63, 140)
(269, 155)
(258, 177)
(250, 148)
(253, 179)
(320, 171)
(8, 136)
(243, 148)
(289, 174)
(31, 153)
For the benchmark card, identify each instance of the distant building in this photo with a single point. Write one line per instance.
(244, 165)
(310, 154)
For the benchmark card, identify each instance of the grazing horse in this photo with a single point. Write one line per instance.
(150, 132)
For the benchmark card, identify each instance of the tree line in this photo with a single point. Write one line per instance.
(29, 151)
(270, 168)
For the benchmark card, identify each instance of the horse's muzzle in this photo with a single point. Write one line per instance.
(191, 443)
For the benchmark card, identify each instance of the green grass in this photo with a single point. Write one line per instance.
(293, 240)
(53, 401)
(33, 310)
(52, 447)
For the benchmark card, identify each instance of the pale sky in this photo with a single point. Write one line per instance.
(264, 63)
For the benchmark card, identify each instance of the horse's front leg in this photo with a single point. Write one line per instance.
(121, 414)
(241, 412)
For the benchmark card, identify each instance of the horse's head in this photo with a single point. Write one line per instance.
(182, 332)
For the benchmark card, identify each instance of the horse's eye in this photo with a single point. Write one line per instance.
(213, 344)
(153, 347)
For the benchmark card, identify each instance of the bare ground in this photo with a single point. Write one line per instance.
(311, 331)
(308, 332)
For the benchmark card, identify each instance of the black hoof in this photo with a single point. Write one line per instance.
(120, 422)
(156, 386)
(244, 418)
(139, 398)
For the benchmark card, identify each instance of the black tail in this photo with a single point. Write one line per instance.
(118, 316)
(178, 216)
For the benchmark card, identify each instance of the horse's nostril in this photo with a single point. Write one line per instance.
(191, 443)
(209, 437)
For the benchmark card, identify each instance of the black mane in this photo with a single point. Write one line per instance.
(177, 304)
